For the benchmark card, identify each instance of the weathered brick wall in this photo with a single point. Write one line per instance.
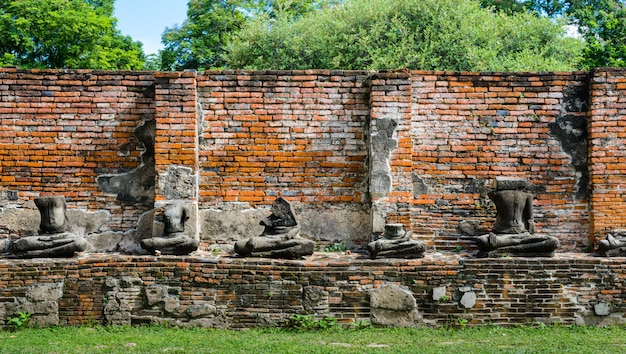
(238, 293)
(607, 138)
(230, 142)
(300, 135)
(390, 102)
(469, 128)
(60, 130)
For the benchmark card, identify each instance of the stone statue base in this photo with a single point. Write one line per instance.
(396, 242)
(53, 245)
(288, 246)
(518, 245)
(615, 252)
(396, 249)
(280, 238)
(614, 245)
(177, 244)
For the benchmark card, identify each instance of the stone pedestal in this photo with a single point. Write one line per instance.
(281, 237)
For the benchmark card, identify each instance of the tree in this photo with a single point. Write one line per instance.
(65, 34)
(201, 41)
(602, 23)
(414, 34)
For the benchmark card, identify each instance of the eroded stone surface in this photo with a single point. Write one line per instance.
(602, 309)
(513, 231)
(468, 300)
(396, 242)
(280, 237)
(130, 302)
(42, 302)
(54, 239)
(137, 185)
(314, 299)
(177, 238)
(178, 182)
(439, 292)
(394, 306)
(382, 144)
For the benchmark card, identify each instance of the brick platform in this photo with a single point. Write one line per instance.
(262, 292)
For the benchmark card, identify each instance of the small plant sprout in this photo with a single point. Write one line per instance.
(300, 323)
(337, 247)
(20, 321)
(462, 321)
(360, 324)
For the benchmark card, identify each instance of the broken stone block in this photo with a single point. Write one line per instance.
(393, 306)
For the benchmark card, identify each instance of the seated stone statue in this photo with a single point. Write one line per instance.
(54, 240)
(174, 240)
(281, 237)
(514, 229)
(396, 242)
(614, 244)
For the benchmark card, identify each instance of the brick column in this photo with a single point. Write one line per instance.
(607, 156)
(390, 149)
(176, 144)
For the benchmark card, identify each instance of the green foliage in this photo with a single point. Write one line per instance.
(414, 34)
(20, 321)
(310, 323)
(462, 321)
(360, 325)
(64, 34)
(153, 62)
(602, 23)
(337, 247)
(507, 6)
(201, 41)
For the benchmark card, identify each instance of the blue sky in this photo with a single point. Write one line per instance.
(145, 20)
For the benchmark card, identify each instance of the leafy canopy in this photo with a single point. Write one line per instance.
(414, 34)
(65, 34)
(202, 40)
(602, 23)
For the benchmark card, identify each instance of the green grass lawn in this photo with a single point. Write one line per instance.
(546, 339)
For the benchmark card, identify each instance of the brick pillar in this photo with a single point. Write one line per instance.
(607, 156)
(390, 149)
(176, 144)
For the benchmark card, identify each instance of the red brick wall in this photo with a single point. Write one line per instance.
(305, 134)
(299, 134)
(468, 128)
(607, 155)
(59, 130)
(176, 135)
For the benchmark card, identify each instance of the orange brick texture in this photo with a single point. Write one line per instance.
(607, 153)
(299, 135)
(59, 130)
(176, 134)
(468, 128)
(251, 136)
